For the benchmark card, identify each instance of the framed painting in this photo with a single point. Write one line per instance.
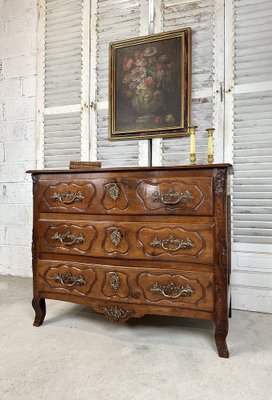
(150, 86)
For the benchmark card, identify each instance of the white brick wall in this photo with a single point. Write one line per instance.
(18, 20)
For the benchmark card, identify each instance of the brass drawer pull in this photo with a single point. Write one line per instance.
(114, 192)
(69, 280)
(68, 238)
(67, 197)
(179, 244)
(181, 291)
(172, 197)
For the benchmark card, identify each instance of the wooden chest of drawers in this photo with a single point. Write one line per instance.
(136, 241)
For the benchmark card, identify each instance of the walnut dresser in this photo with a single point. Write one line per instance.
(134, 241)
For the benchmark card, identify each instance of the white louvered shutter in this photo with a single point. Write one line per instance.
(63, 76)
(206, 18)
(114, 20)
(252, 186)
(249, 95)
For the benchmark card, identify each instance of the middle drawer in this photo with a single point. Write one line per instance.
(188, 242)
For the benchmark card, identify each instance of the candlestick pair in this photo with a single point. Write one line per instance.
(192, 130)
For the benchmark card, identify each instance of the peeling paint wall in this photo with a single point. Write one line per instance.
(17, 132)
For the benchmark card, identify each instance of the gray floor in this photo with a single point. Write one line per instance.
(77, 355)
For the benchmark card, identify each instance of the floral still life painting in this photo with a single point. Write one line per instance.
(150, 86)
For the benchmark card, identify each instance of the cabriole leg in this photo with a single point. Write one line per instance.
(40, 310)
(221, 331)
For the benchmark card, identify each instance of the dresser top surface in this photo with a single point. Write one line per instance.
(119, 169)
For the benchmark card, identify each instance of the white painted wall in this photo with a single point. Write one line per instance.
(18, 20)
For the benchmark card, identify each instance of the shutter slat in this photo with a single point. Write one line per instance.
(63, 54)
(252, 47)
(252, 189)
(58, 146)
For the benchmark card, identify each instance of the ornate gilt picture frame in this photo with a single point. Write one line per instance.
(150, 86)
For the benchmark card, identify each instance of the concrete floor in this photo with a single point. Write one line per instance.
(77, 354)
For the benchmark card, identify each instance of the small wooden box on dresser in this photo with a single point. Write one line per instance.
(134, 241)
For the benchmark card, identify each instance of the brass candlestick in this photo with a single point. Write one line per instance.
(210, 145)
(192, 130)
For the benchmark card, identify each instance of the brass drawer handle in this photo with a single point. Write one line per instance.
(68, 238)
(67, 197)
(172, 197)
(179, 244)
(69, 280)
(114, 192)
(181, 291)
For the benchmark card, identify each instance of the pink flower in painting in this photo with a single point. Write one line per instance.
(128, 64)
(158, 67)
(138, 74)
(149, 82)
(141, 62)
(150, 51)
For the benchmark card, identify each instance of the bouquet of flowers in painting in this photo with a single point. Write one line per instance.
(147, 78)
(148, 85)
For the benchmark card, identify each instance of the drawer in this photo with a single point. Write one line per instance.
(64, 278)
(178, 289)
(137, 285)
(113, 195)
(154, 241)
(67, 196)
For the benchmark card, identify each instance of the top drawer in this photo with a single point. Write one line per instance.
(130, 195)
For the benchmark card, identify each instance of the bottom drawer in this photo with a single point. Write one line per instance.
(159, 287)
